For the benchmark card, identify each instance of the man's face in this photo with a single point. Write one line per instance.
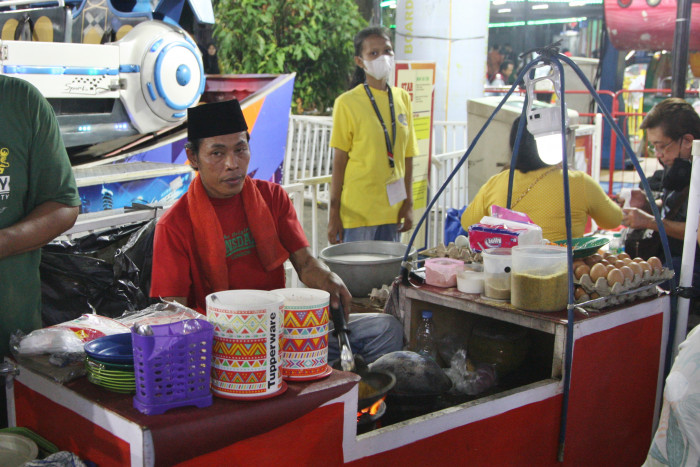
(667, 149)
(222, 162)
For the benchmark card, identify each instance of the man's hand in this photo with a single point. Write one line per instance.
(316, 275)
(635, 218)
(405, 218)
(340, 294)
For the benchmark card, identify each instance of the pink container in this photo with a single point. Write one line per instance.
(442, 272)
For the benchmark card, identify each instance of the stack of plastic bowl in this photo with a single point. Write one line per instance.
(110, 363)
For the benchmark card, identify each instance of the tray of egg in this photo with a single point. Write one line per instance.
(606, 279)
(459, 249)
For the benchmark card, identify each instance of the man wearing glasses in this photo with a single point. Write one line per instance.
(671, 127)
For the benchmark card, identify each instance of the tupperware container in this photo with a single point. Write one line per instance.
(539, 280)
(497, 266)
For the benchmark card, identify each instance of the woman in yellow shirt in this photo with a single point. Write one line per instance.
(373, 141)
(538, 191)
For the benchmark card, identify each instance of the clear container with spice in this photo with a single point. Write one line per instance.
(539, 280)
(497, 265)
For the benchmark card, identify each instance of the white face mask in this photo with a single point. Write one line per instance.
(380, 68)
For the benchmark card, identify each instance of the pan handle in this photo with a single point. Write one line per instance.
(338, 317)
(341, 330)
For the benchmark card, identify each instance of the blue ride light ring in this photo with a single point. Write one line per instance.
(155, 45)
(159, 85)
(151, 92)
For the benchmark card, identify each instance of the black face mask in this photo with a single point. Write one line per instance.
(677, 176)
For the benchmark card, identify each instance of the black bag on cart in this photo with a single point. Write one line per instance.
(643, 243)
(106, 272)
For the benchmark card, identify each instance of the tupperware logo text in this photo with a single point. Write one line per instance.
(273, 351)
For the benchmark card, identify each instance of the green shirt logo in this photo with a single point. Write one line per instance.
(4, 152)
(239, 244)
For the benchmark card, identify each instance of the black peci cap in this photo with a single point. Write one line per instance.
(215, 119)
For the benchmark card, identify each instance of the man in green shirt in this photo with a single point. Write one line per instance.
(38, 201)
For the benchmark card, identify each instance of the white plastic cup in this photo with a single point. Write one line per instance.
(470, 282)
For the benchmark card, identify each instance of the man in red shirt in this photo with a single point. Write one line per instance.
(230, 231)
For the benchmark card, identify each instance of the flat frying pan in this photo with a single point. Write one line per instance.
(373, 384)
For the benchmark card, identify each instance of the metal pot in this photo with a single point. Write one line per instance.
(363, 273)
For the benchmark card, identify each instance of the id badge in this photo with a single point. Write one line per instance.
(396, 191)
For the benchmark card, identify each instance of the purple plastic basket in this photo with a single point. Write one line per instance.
(172, 366)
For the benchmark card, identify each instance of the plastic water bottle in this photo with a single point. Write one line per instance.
(617, 244)
(425, 336)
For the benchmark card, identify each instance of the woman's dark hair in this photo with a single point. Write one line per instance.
(528, 157)
(675, 117)
(358, 77)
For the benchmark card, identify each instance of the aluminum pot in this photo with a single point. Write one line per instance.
(365, 265)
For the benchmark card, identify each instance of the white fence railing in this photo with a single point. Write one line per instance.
(456, 194)
(449, 137)
(309, 160)
(309, 154)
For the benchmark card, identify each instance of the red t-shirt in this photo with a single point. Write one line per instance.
(177, 273)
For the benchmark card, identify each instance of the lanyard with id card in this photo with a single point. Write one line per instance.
(395, 189)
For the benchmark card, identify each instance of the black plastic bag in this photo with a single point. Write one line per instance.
(107, 272)
(135, 258)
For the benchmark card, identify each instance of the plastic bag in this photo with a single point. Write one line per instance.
(106, 272)
(159, 313)
(500, 212)
(677, 438)
(467, 378)
(69, 337)
(134, 259)
(453, 224)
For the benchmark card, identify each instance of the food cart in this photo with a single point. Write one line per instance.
(616, 379)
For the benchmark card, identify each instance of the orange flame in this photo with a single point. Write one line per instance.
(372, 409)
